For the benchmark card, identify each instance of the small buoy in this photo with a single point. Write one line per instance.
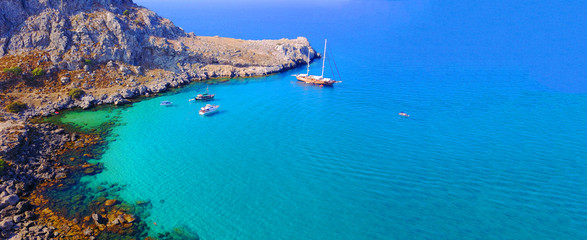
(56, 112)
(154, 223)
(321, 85)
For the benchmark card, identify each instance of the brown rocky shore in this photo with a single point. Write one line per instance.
(28, 162)
(58, 55)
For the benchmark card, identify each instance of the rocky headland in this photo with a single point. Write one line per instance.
(113, 50)
(57, 54)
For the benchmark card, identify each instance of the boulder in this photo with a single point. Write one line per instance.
(118, 220)
(129, 93)
(11, 199)
(121, 102)
(6, 224)
(30, 215)
(98, 219)
(124, 70)
(23, 206)
(17, 218)
(65, 80)
(87, 231)
(86, 101)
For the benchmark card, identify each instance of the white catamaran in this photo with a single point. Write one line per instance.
(313, 79)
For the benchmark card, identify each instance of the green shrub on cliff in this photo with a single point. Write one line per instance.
(38, 72)
(87, 61)
(76, 93)
(15, 107)
(125, 13)
(13, 70)
(2, 165)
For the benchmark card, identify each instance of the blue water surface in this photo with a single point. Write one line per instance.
(495, 147)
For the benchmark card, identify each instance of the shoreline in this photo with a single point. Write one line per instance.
(31, 214)
(51, 202)
(125, 95)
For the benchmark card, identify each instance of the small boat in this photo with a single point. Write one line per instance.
(204, 96)
(208, 109)
(403, 114)
(313, 79)
(165, 103)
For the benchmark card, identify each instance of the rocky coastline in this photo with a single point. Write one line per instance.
(42, 195)
(29, 162)
(59, 55)
(113, 50)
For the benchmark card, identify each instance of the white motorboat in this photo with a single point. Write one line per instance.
(208, 109)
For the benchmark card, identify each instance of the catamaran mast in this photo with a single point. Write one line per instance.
(323, 59)
(308, 72)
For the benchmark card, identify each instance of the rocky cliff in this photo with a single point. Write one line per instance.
(115, 49)
(57, 54)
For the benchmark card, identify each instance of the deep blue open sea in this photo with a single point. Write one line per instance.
(495, 148)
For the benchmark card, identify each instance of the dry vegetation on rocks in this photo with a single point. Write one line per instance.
(115, 49)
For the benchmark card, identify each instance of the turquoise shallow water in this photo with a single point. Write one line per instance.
(283, 160)
(490, 151)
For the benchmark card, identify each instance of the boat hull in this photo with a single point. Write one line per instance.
(204, 113)
(208, 110)
(310, 80)
(205, 97)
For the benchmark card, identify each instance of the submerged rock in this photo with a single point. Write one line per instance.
(110, 202)
(129, 218)
(98, 219)
(89, 171)
(88, 231)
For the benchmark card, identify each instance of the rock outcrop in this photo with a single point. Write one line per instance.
(27, 163)
(115, 49)
(108, 51)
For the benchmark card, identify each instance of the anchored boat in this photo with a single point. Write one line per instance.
(208, 109)
(403, 114)
(313, 79)
(205, 96)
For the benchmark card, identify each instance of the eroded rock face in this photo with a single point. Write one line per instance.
(73, 30)
(98, 30)
(110, 47)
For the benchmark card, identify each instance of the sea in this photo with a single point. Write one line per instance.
(495, 146)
